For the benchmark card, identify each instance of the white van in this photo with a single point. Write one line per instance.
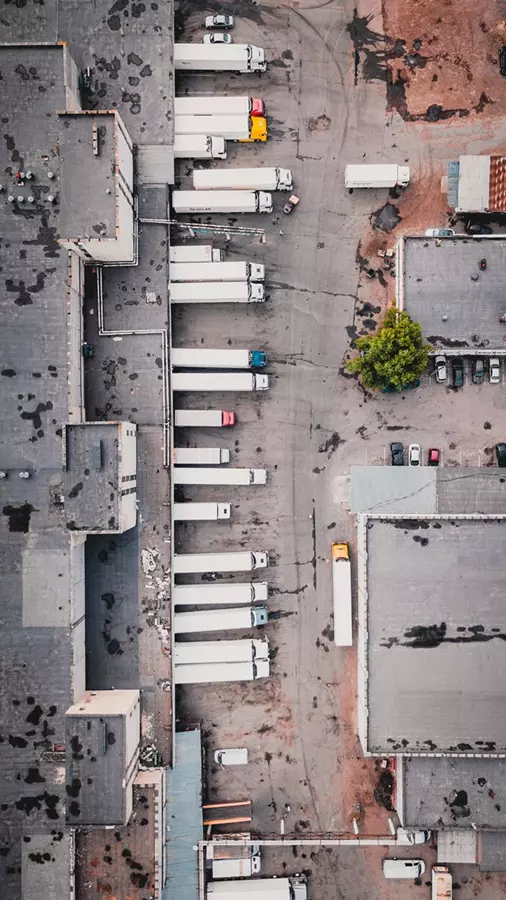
(403, 868)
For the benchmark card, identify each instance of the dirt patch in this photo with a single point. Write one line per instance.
(318, 123)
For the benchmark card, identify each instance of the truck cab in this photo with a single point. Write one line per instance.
(258, 130)
(258, 359)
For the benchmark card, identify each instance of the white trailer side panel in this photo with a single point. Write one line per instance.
(202, 418)
(199, 146)
(212, 106)
(219, 381)
(196, 358)
(212, 620)
(231, 128)
(213, 651)
(219, 476)
(219, 57)
(279, 887)
(230, 291)
(341, 589)
(219, 594)
(215, 672)
(217, 271)
(234, 561)
(191, 253)
(221, 201)
(201, 512)
(263, 178)
(201, 456)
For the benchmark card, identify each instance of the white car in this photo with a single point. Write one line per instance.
(494, 371)
(237, 756)
(441, 369)
(439, 232)
(219, 21)
(414, 455)
(217, 38)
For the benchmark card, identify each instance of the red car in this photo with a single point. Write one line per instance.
(433, 456)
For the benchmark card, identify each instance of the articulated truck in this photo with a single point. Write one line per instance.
(209, 673)
(200, 512)
(219, 619)
(194, 253)
(220, 594)
(219, 381)
(244, 129)
(292, 888)
(219, 58)
(378, 175)
(200, 456)
(269, 178)
(341, 590)
(189, 358)
(216, 291)
(196, 652)
(221, 105)
(234, 561)
(203, 418)
(199, 146)
(221, 201)
(183, 475)
(217, 271)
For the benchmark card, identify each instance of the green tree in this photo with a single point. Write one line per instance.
(395, 356)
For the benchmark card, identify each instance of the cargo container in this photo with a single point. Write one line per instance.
(208, 673)
(200, 358)
(442, 883)
(195, 253)
(197, 652)
(244, 129)
(378, 175)
(216, 291)
(263, 178)
(220, 594)
(203, 418)
(222, 271)
(201, 456)
(234, 561)
(341, 590)
(200, 512)
(221, 201)
(219, 619)
(212, 475)
(199, 146)
(219, 57)
(219, 381)
(243, 867)
(222, 105)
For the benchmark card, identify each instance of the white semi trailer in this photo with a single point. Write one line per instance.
(202, 358)
(219, 57)
(196, 652)
(268, 178)
(209, 673)
(341, 591)
(218, 105)
(201, 456)
(234, 561)
(200, 512)
(216, 292)
(293, 888)
(219, 619)
(222, 271)
(199, 146)
(212, 475)
(194, 253)
(221, 201)
(377, 175)
(219, 381)
(231, 128)
(220, 594)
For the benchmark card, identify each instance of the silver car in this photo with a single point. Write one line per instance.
(441, 369)
(494, 370)
(218, 37)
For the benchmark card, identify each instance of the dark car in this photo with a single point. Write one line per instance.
(457, 373)
(502, 60)
(478, 371)
(433, 458)
(500, 452)
(397, 451)
(476, 228)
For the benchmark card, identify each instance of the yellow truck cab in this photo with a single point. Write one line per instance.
(258, 130)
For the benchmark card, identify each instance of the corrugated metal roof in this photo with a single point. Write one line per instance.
(497, 186)
(456, 846)
(474, 183)
(184, 817)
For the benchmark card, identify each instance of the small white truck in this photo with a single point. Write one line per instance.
(219, 381)
(213, 475)
(220, 594)
(221, 201)
(268, 178)
(216, 291)
(200, 512)
(201, 456)
(377, 175)
(217, 271)
(233, 561)
(202, 358)
(194, 253)
(203, 418)
(199, 146)
(219, 57)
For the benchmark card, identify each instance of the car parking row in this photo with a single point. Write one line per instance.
(457, 371)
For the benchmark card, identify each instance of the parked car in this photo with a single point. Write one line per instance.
(433, 458)
(397, 452)
(441, 369)
(500, 452)
(217, 38)
(414, 455)
(439, 232)
(457, 372)
(477, 228)
(403, 868)
(238, 756)
(494, 370)
(502, 60)
(478, 371)
(220, 20)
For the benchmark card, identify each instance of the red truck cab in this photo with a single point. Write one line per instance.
(257, 107)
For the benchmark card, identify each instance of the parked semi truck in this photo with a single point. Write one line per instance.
(203, 418)
(269, 178)
(219, 619)
(199, 146)
(208, 673)
(219, 57)
(442, 883)
(220, 594)
(220, 105)
(379, 175)
(221, 201)
(195, 253)
(341, 589)
(233, 561)
(196, 652)
(189, 358)
(201, 456)
(294, 888)
(246, 129)
(217, 271)
(219, 381)
(183, 475)
(241, 861)
(216, 291)
(200, 512)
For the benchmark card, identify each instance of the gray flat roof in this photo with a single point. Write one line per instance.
(451, 792)
(47, 861)
(492, 851)
(442, 279)
(92, 491)
(87, 180)
(95, 769)
(436, 621)
(411, 491)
